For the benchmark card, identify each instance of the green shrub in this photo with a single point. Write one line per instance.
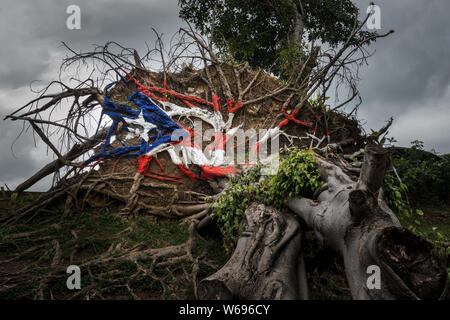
(396, 195)
(426, 176)
(229, 209)
(423, 179)
(297, 175)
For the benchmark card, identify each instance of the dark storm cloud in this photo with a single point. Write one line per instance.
(31, 33)
(412, 64)
(16, 167)
(409, 75)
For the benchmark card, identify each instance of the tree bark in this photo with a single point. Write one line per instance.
(349, 216)
(266, 262)
(352, 218)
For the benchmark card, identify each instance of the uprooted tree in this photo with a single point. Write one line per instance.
(348, 213)
(126, 137)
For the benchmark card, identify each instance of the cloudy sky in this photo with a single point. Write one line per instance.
(407, 78)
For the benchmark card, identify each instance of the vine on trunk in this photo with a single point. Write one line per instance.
(297, 174)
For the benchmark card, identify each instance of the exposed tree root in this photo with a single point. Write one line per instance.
(145, 259)
(349, 215)
(352, 218)
(264, 264)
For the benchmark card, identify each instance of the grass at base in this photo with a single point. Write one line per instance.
(96, 231)
(93, 233)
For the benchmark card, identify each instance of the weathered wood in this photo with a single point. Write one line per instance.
(373, 169)
(265, 263)
(353, 219)
(349, 216)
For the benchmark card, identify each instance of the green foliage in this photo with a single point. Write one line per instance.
(296, 175)
(425, 180)
(125, 103)
(261, 31)
(426, 175)
(3, 191)
(332, 21)
(229, 209)
(14, 197)
(412, 218)
(382, 140)
(417, 145)
(288, 57)
(319, 103)
(15, 201)
(396, 195)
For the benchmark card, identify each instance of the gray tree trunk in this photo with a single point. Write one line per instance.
(352, 218)
(349, 216)
(265, 263)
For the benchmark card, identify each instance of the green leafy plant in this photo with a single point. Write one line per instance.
(395, 194)
(297, 175)
(424, 178)
(319, 104)
(427, 175)
(288, 56)
(229, 209)
(3, 191)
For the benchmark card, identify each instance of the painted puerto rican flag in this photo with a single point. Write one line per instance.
(157, 132)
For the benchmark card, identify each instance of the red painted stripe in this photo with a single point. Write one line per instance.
(216, 104)
(283, 123)
(159, 164)
(143, 163)
(210, 172)
(237, 106)
(187, 172)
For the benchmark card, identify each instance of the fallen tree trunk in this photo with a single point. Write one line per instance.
(265, 263)
(382, 260)
(352, 218)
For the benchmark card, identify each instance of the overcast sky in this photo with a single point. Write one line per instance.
(407, 78)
